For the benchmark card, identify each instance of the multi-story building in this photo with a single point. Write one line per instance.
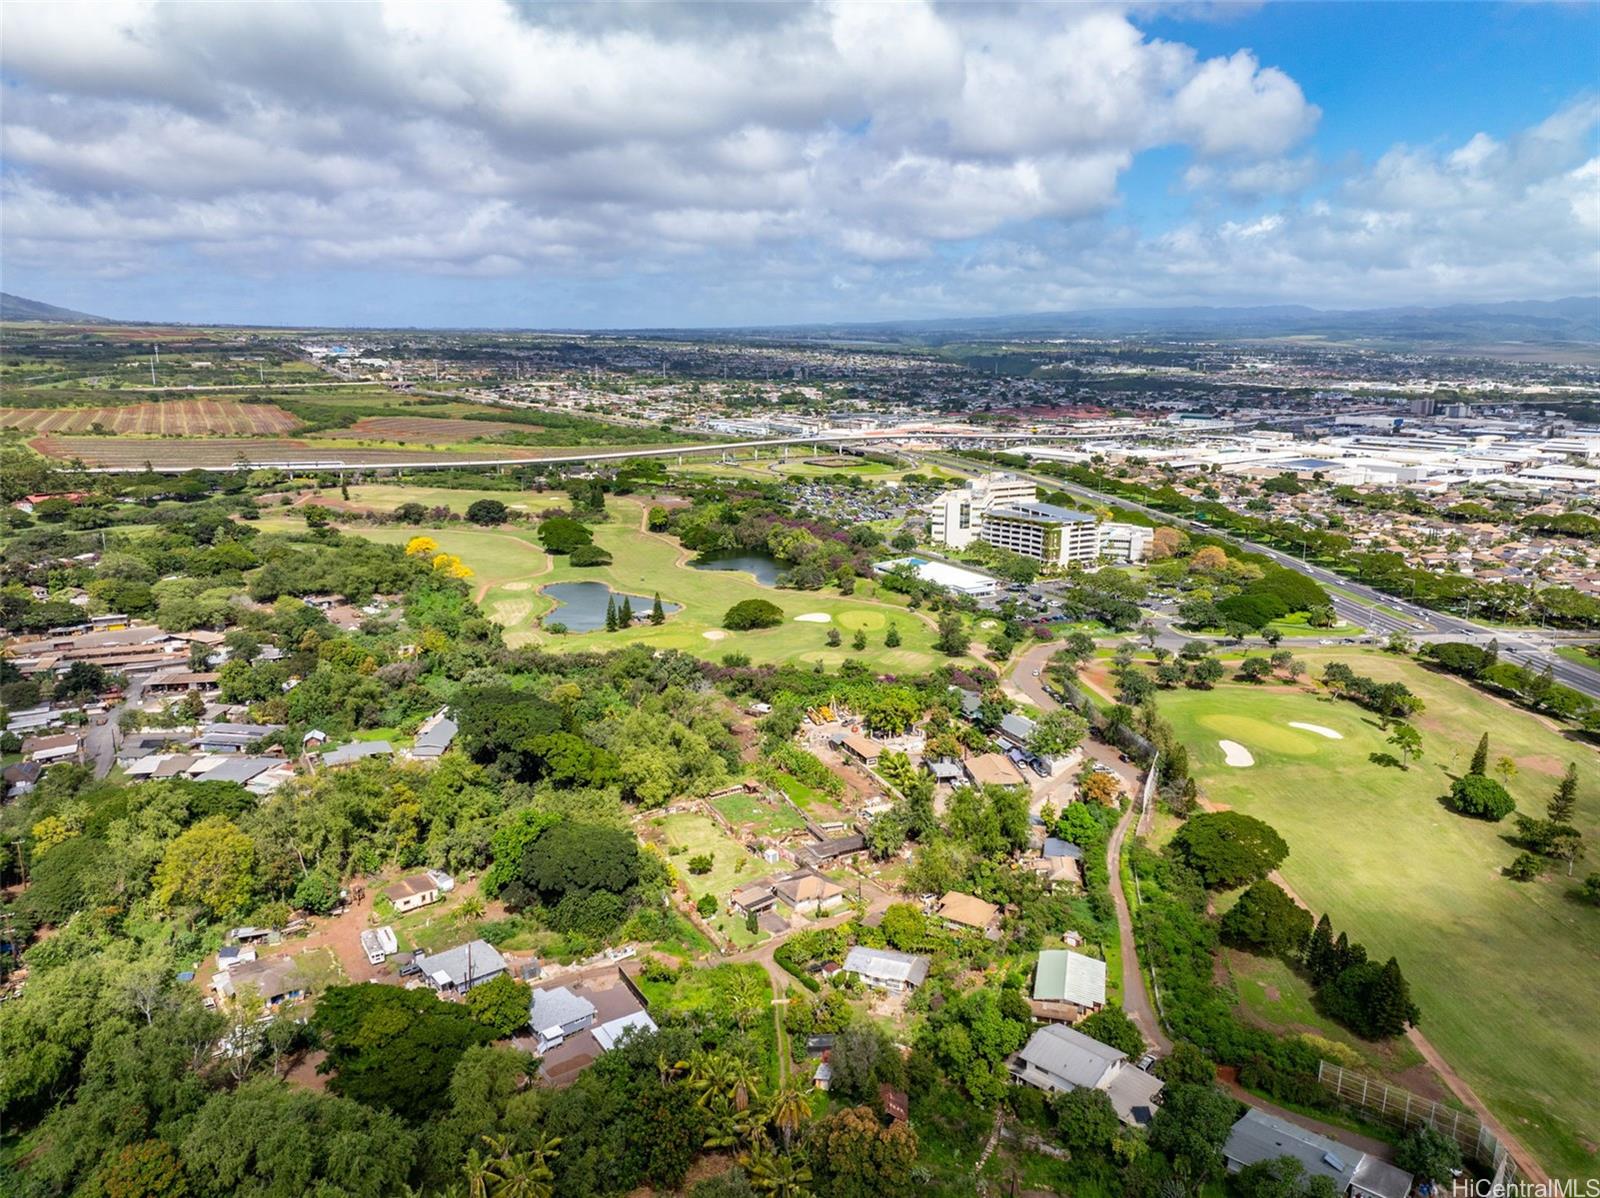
(1125, 542)
(1056, 536)
(956, 516)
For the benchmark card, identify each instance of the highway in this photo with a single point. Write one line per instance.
(1525, 648)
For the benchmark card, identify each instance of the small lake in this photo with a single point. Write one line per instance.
(581, 606)
(764, 566)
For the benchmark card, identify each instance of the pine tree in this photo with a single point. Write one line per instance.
(625, 613)
(1389, 1007)
(658, 614)
(1480, 756)
(859, 641)
(1341, 954)
(611, 613)
(1565, 799)
(891, 639)
(1319, 952)
(1491, 653)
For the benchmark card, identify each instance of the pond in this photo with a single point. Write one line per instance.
(764, 566)
(581, 606)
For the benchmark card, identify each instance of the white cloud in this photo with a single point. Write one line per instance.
(960, 156)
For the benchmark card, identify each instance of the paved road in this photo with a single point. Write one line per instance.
(1135, 999)
(1525, 648)
(100, 740)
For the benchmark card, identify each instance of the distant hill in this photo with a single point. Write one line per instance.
(15, 307)
(1574, 320)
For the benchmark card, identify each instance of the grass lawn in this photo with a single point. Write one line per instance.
(767, 818)
(731, 866)
(1578, 657)
(385, 497)
(1498, 968)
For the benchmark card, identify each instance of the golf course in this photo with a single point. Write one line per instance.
(510, 569)
(1491, 961)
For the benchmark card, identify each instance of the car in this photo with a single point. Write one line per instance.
(1147, 1061)
(1039, 767)
(1123, 757)
(410, 970)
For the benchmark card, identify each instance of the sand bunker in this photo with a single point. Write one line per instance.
(516, 586)
(814, 617)
(715, 634)
(1235, 754)
(1318, 729)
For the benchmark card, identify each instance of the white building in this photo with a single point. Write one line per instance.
(1056, 536)
(956, 516)
(1125, 542)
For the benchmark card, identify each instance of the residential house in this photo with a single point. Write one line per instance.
(435, 735)
(1067, 985)
(48, 750)
(180, 682)
(557, 1013)
(968, 913)
(457, 970)
(822, 851)
(232, 738)
(411, 892)
(1059, 1058)
(239, 769)
(1059, 865)
(944, 771)
(584, 1016)
(862, 748)
(808, 892)
(1015, 730)
(276, 979)
(754, 898)
(1261, 1137)
(358, 750)
(20, 779)
(886, 969)
(992, 769)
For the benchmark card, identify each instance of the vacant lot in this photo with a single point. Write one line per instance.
(174, 418)
(688, 836)
(1493, 963)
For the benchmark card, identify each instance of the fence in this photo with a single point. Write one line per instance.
(1405, 1110)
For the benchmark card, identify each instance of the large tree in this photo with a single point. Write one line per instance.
(857, 1157)
(210, 865)
(393, 1049)
(1229, 848)
(1267, 920)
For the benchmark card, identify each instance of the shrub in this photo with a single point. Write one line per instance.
(707, 906)
(700, 864)
(589, 555)
(752, 613)
(1480, 798)
(487, 512)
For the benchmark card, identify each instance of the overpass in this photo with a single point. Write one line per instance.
(334, 462)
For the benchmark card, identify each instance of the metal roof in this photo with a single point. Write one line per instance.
(1054, 846)
(636, 1021)
(486, 961)
(1261, 1137)
(888, 964)
(1070, 1057)
(1066, 976)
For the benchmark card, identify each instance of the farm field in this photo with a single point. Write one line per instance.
(172, 452)
(1490, 961)
(646, 563)
(173, 418)
(440, 430)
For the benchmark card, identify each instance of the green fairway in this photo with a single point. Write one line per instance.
(509, 567)
(1493, 963)
(385, 497)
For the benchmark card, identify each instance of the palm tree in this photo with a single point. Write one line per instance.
(790, 1110)
(782, 1176)
(517, 1174)
(477, 1171)
(472, 906)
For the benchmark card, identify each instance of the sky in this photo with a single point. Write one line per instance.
(675, 165)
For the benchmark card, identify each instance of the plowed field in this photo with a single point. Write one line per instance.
(178, 417)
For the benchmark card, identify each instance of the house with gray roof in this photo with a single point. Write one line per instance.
(1059, 1058)
(1261, 1137)
(557, 1013)
(436, 735)
(1015, 729)
(886, 969)
(239, 769)
(457, 970)
(232, 738)
(358, 750)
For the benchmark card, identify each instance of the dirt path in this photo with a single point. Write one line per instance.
(1526, 1164)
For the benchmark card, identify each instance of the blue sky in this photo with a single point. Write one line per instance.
(696, 164)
